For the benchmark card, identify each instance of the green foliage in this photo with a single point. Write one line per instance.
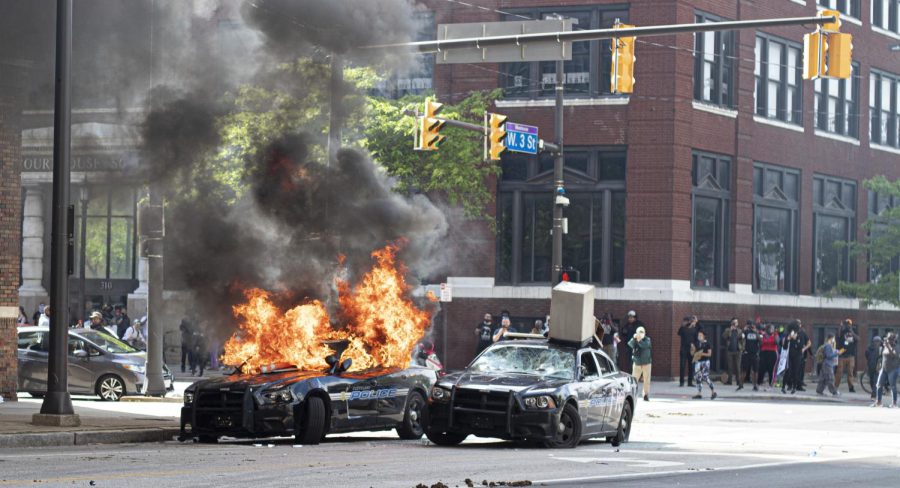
(881, 248)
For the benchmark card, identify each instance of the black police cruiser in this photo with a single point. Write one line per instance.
(307, 404)
(534, 389)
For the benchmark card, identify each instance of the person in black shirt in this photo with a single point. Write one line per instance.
(626, 332)
(701, 352)
(734, 346)
(792, 346)
(806, 351)
(750, 358)
(483, 332)
(688, 334)
(499, 333)
(846, 340)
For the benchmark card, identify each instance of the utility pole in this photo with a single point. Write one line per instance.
(558, 179)
(57, 408)
(156, 385)
(337, 111)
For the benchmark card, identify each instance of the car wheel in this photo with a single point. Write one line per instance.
(624, 429)
(208, 439)
(445, 438)
(414, 417)
(110, 388)
(568, 433)
(312, 423)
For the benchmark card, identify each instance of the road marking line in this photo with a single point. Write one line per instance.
(692, 471)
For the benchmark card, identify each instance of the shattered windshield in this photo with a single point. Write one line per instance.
(540, 360)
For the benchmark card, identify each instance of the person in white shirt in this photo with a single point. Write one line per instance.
(44, 321)
(135, 336)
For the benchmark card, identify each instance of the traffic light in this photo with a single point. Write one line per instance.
(497, 136)
(621, 78)
(431, 127)
(827, 52)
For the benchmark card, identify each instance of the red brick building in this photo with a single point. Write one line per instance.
(717, 188)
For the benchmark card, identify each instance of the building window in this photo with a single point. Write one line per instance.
(413, 78)
(834, 217)
(778, 73)
(105, 233)
(713, 64)
(837, 105)
(883, 108)
(595, 244)
(775, 203)
(880, 206)
(885, 14)
(586, 74)
(712, 191)
(846, 7)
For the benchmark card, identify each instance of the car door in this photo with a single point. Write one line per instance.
(360, 395)
(392, 392)
(80, 370)
(32, 358)
(614, 387)
(590, 393)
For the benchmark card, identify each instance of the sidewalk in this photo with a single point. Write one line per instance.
(670, 389)
(98, 426)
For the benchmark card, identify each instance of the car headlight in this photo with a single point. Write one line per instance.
(282, 395)
(134, 367)
(541, 402)
(188, 397)
(441, 395)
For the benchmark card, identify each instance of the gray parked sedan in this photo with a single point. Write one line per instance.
(99, 364)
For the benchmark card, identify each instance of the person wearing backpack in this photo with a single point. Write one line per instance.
(750, 357)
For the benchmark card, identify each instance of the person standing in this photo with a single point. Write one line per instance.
(500, 332)
(890, 369)
(201, 353)
(734, 347)
(847, 339)
(135, 336)
(750, 357)
(626, 332)
(873, 361)
(483, 333)
(829, 361)
(688, 334)
(792, 347)
(44, 320)
(641, 358)
(121, 321)
(701, 351)
(187, 343)
(768, 356)
(97, 321)
(35, 319)
(22, 319)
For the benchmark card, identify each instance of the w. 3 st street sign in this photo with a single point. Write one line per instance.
(522, 138)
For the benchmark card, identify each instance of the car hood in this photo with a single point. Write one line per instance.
(242, 381)
(502, 381)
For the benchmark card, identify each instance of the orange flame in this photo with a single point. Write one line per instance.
(382, 324)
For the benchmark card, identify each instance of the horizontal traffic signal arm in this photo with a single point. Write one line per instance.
(594, 34)
(549, 147)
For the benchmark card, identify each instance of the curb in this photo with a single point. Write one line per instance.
(775, 398)
(146, 399)
(79, 438)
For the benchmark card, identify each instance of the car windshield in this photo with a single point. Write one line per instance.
(107, 342)
(540, 360)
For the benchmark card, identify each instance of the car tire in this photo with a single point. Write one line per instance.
(208, 439)
(415, 417)
(623, 431)
(110, 388)
(312, 422)
(570, 434)
(445, 438)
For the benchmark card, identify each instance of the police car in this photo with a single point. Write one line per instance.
(307, 404)
(534, 389)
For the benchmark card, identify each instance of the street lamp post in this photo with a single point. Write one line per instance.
(57, 407)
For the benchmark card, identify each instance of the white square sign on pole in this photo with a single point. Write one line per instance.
(446, 292)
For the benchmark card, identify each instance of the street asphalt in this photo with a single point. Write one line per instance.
(675, 441)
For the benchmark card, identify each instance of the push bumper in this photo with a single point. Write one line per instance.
(244, 420)
(511, 425)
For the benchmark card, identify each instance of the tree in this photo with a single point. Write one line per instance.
(881, 249)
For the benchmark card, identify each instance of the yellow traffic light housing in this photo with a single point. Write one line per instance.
(621, 78)
(497, 136)
(430, 128)
(827, 53)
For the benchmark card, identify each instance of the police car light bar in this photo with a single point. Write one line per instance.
(522, 335)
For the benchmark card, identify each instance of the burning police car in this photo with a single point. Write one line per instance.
(558, 391)
(307, 404)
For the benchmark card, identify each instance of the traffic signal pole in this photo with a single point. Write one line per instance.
(558, 181)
